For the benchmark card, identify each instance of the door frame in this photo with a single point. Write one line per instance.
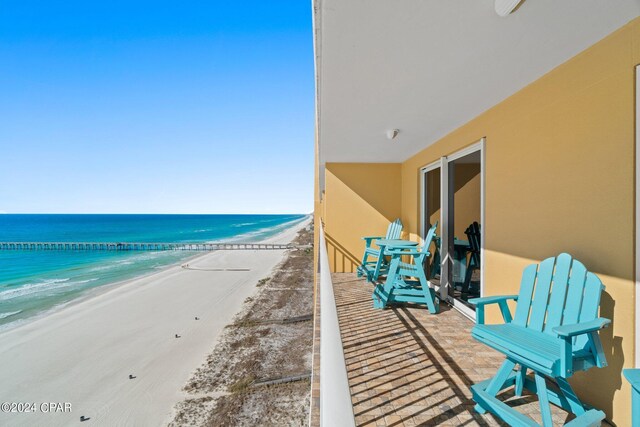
(423, 172)
(446, 201)
(637, 217)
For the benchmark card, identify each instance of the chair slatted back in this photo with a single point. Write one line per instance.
(473, 236)
(558, 291)
(394, 230)
(424, 249)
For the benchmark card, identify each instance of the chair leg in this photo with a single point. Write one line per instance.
(382, 293)
(363, 265)
(431, 302)
(520, 376)
(376, 272)
(392, 275)
(497, 382)
(572, 399)
(379, 297)
(543, 397)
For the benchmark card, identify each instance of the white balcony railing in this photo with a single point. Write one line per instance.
(335, 398)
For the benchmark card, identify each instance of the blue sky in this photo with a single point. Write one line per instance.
(156, 107)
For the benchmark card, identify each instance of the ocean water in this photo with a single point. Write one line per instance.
(35, 282)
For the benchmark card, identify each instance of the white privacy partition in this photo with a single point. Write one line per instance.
(335, 398)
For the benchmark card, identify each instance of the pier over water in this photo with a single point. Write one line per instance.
(140, 246)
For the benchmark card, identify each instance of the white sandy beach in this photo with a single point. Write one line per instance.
(83, 354)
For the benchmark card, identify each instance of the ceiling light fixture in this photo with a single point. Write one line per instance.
(392, 133)
(505, 7)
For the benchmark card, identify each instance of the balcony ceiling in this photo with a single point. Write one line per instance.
(427, 67)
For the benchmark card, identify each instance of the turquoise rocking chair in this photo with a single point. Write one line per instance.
(373, 262)
(553, 334)
(407, 282)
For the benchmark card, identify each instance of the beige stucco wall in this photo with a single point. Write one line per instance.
(360, 200)
(560, 178)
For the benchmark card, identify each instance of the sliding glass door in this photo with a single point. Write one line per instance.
(452, 193)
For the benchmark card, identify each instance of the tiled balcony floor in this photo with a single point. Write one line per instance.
(407, 367)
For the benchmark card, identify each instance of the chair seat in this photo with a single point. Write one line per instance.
(532, 348)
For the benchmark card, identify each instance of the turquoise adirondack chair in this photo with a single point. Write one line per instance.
(554, 333)
(633, 376)
(373, 263)
(407, 282)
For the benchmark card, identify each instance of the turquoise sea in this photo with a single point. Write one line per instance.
(34, 282)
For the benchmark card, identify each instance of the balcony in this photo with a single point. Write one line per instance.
(406, 367)
(400, 366)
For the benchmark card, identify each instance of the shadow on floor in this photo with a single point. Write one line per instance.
(407, 367)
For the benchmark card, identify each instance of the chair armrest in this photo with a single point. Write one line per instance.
(501, 300)
(566, 332)
(369, 239)
(492, 300)
(581, 328)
